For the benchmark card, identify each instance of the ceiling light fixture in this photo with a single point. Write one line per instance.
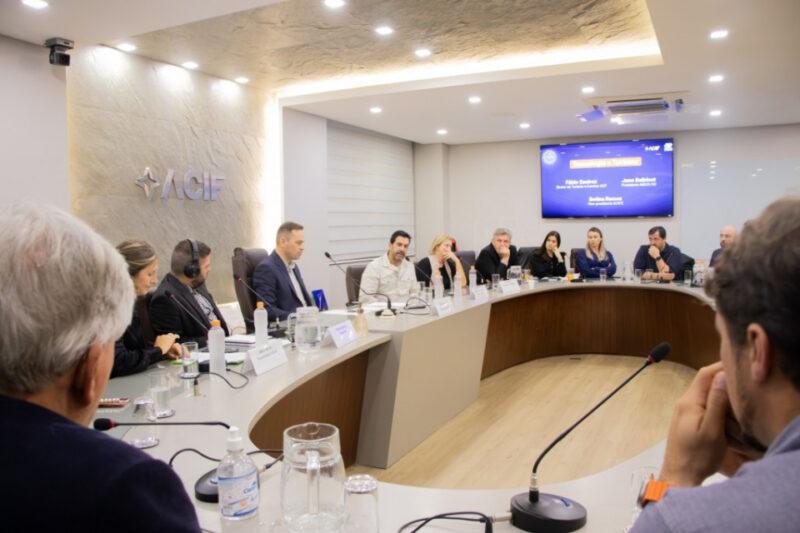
(375, 110)
(191, 65)
(422, 53)
(242, 80)
(35, 4)
(126, 47)
(524, 125)
(715, 112)
(334, 4)
(441, 131)
(716, 78)
(474, 100)
(718, 34)
(617, 120)
(587, 90)
(384, 30)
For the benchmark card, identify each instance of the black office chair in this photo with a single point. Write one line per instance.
(244, 262)
(143, 311)
(573, 258)
(687, 263)
(524, 253)
(467, 258)
(352, 281)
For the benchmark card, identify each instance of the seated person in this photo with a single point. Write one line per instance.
(663, 259)
(277, 278)
(595, 256)
(131, 353)
(726, 237)
(389, 274)
(56, 353)
(497, 256)
(750, 400)
(547, 261)
(189, 308)
(441, 261)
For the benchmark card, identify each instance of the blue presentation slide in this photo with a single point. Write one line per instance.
(607, 179)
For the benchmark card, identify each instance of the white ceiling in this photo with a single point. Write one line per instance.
(760, 61)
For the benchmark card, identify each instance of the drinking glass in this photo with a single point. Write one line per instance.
(420, 288)
(638, 478)
(570, 274)
(649, 274)
(145, 411)
(627, 275)
(189, 368)
(495, 281)
(603, 274)
(637, 274)
(361, 493)
(307, 329)
(526, 274)
(515, 273)
(687, 278)
(160, 393)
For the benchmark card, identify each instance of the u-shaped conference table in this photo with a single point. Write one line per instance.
(391, 389)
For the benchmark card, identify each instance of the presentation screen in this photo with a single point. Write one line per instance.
(607, 179)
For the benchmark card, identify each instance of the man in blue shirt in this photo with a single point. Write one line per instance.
(664, 260)
(756, 287)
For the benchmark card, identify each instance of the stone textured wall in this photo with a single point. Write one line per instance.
(126, 113)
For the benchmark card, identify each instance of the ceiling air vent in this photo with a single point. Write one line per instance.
(644, 104)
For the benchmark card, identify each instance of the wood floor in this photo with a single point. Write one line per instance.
(494, 442)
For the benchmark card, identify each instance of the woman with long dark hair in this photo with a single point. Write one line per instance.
(548, 261)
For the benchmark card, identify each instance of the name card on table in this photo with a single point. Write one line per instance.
(341, 334)
(480, 293)
(265, 358)
(443, 306)
(509, 286)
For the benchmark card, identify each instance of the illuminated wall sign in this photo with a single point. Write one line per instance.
(195, 185)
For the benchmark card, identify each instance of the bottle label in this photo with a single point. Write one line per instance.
(238, 496)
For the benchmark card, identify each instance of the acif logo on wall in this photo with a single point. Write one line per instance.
(195, 185)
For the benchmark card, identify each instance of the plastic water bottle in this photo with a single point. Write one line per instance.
(262, 324)
(237, 476)
(216, 347)
(457, 296)
(438, 286)
(473, 279)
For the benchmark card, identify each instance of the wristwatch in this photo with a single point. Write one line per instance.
(652, 490)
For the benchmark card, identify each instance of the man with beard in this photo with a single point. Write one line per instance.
(190, 266)
(726, 237)
(389, 274)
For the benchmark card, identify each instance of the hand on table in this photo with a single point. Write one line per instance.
(165, 343)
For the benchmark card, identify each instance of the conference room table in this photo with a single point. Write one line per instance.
(394, 387)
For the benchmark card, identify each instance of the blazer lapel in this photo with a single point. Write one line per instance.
(184, 294)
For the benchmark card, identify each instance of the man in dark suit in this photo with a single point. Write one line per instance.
(277, 278)
(726, 237)
(662, 258)
(181, 303)
(56, 354)
(498, 256)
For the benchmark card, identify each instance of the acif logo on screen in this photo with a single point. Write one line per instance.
(549, 157)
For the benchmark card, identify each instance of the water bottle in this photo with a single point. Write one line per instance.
(262, 324)
(473, 279)
(216, 347)
(457, 289)
(237, 476)
(438, 286)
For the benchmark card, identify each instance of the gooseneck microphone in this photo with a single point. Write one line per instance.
(253, 291)
(186, 310)
(104, 424)
(549, 513)
(388, 301)
(419, 270)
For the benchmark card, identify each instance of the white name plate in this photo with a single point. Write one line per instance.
(265, 358)
(443, 306)
(509, 286)
(342, 333)
(480, 293)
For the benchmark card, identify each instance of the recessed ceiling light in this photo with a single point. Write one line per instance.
(715, 112)
(441, 131)
(422, 53)
(474, 100)
(35, 4)
(753, 175)
(718, 34)
(191, 65)
(711, 177)
(334, 4)
(587, 90)
(716, 78)
(759, 169)
(712, 162)
(524, 125)
(242, 80)
(375, 110)
(384, 30)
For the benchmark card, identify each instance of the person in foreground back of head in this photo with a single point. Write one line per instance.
(56, 353)
(757, 381)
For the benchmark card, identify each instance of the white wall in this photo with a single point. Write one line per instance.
(33, 136)
(497, 184)
(431, 199)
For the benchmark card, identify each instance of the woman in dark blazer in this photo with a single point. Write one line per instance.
(595, 256)
(548, 261)
(446, 262)
(131, 353)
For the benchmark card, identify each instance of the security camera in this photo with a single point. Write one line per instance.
(58, 47)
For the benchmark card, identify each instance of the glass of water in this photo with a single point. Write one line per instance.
(495, 281)
(637, 274)
(687, 278)
(160, 393)
(603, 274)
(145, 411)
(515, 273)
(189, 368)
(307, 330)
(361, 495)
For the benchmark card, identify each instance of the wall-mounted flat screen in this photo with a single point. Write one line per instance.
(607, 179)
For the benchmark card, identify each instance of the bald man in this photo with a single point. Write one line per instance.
(726, 237)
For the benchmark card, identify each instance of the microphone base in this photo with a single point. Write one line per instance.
(551, 514)
(388, 312)
(206, 489)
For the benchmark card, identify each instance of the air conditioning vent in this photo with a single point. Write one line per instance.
(643, 104)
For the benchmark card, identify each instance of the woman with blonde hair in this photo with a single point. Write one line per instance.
(441, 261)
(595, 256)
(132, 354)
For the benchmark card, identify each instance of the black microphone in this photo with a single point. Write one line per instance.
(388, 301)
(104, 424)
(186, 310)
(418, 269)
(549, 513)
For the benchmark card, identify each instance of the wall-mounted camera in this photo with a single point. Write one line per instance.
(58, 47)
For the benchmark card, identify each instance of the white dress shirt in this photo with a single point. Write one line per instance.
(396, 282)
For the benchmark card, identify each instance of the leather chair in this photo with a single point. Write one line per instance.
(687, 264)
(352, 281)
(524, 253)
(467, 258)
(244, 262)
(143, 311)
(573, 258)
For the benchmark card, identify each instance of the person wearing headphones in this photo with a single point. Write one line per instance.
(181, 304)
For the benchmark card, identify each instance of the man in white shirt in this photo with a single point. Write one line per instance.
(390, 274)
